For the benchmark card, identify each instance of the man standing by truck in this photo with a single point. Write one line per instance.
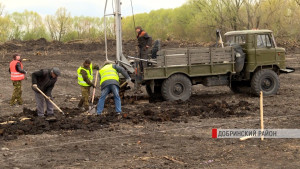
(144, 42)
(17, 74)
(85, 78)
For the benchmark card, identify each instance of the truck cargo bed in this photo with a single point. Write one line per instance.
(192, 62)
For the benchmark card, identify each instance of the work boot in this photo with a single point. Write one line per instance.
(119, 115)
(20, 102)
(42, 117)
(50, 117)
(14, 105)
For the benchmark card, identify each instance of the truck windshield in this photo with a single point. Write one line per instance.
(235, 39)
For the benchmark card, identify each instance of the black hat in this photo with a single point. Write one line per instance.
(56, 71)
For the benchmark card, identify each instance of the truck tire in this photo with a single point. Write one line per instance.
(265, 80)
(239, 58)
(176, 87)
(155, 49)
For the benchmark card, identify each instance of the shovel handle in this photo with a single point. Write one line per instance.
(48, 98)
(94, 90)
(123, 84)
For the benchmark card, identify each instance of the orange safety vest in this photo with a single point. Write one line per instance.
(14, 74)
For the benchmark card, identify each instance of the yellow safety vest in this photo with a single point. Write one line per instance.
(108, 73)
(81, 82)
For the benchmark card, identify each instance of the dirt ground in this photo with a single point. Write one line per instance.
(158, 134)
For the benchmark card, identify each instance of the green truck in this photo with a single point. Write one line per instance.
(250, 58)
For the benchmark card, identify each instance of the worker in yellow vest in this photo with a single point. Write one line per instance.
(110, 83)
(85, 78)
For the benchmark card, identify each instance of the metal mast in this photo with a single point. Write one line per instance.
(118, 28)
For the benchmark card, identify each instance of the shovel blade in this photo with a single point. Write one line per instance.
(92, 109)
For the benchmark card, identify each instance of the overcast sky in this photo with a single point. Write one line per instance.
(93, 8)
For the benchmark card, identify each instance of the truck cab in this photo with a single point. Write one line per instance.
(264, 61)
(260, 49)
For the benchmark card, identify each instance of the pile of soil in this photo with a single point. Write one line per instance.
(42, 45)
(74, 119)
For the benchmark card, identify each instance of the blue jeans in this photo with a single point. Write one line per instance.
(104, 92)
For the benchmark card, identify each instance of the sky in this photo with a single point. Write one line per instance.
(93, 8)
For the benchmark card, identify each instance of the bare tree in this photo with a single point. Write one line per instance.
(63, 19)
(59, 24)
(253, 17)
(52, 27)
(233, 11)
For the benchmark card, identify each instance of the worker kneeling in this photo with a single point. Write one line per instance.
(110, 83)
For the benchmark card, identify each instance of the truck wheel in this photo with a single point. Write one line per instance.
(265, 80)
(176, 87)
(239, 58)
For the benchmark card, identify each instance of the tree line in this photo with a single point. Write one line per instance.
(196, 20)
(29, 25)
(199, 19)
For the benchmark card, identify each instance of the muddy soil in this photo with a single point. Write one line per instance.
(155, 134)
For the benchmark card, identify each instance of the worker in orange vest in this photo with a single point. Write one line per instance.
(144, 43)
(17, 74)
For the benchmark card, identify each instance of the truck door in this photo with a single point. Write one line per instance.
(265, 50)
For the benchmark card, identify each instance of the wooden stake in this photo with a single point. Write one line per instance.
(246, 137)
(261, 115)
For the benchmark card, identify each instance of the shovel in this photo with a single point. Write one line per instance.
(123, 84)
(92, 108)
(48, 98)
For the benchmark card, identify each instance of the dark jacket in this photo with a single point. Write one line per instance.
(144, 39)
(119, 69)
(44, 81)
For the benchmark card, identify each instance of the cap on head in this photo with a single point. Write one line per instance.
(56, 71)
(15, 55)
(138, 27)
(108, 62)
